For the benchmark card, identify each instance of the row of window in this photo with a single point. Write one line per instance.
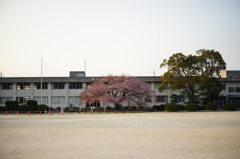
(234, 89)
(54, 100)
(59, 85)
(71, 100)
(164, 98)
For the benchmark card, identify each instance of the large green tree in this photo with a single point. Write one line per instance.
(211, 64)
(193, 73)
(181, 74)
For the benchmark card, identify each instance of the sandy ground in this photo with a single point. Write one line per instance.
(212, 135)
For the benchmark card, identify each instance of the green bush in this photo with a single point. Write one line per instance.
(201, 108)
(181, 107)
(157, 107)
(211, 106)
(229, 106)
(191, 107)
(32, 105)
(171, 107)
(162, 107)
(31, 108)
(66, 108)
(2, 108)
(23, 108)
(32, 102)
(58, 108)
(125, 107)
(41, 107)
(108, 107)
(11, 105)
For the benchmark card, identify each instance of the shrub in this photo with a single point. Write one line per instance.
(108, 107)
(171, 107)
(229, 106)
(191, 107)
(58, 108)
(41, 107)
(125, 107)
(66, 108)
(2, 108)
(32, 105)
(134, 107)
(201, 107)
(31, 108)
(211, 106)
(181, 107)
(23, 108)
(162, 107)
(156, 107)
(32, 102)
(11, 105)
(75, 108)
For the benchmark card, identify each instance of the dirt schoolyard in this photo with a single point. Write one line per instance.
(153, 135)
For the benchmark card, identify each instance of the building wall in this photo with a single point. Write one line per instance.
(65, 96)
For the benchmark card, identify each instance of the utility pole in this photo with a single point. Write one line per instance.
(41, 80)
(85, 66)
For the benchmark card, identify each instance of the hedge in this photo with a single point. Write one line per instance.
(171, 107)
(41, 107)
(156, 107)
(23, 108)
(2, 108)
(32, 105)
(211, 106)
(191, 107)
(181, 107)
(11, 105)
(108, 108)
(229, 106)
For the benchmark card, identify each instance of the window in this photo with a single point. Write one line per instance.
(58, 100)
(234, 89)
(23, 86)
(44, 100)
(38, 86)
(4, 99)
(23, 99)
(77, 85)
(180, 98)
(6, 85)
(88, 83)
(73, 100)
(59, 85)
(161, 98)
(96, 104)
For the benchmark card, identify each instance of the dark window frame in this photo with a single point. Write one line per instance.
(38, 85)
(7, 86)
(75, 85)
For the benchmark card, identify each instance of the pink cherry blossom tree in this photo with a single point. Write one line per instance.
(118, 90)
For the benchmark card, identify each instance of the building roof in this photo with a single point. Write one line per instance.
(66, 79)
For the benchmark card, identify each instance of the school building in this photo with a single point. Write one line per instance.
(65, 91)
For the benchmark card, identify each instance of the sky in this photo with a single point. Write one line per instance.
(130, 37)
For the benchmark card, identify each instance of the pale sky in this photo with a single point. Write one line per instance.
(114, 36)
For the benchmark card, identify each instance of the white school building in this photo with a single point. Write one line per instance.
(65, 91)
